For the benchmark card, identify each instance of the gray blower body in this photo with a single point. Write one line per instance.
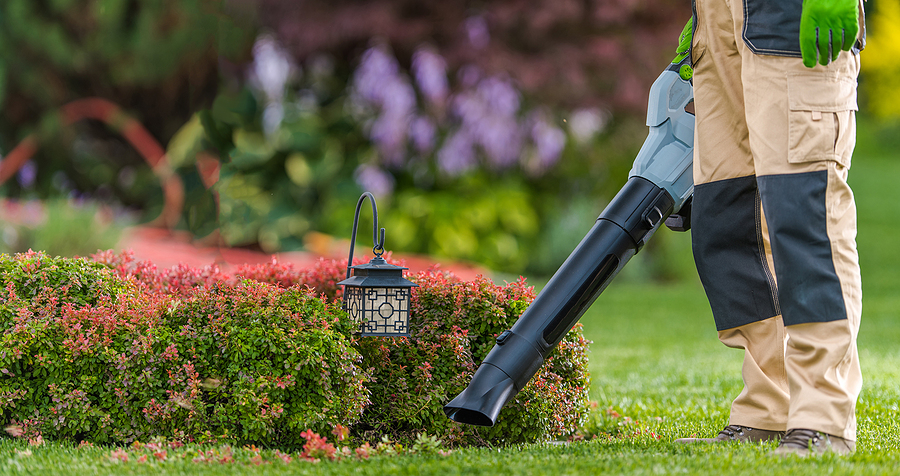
(659, 187)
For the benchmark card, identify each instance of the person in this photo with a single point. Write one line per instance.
(773, 218)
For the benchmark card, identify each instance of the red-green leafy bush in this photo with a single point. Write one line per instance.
(180, 280)
(322, 276)
(108, 359)
(115, 350)
(453, 326)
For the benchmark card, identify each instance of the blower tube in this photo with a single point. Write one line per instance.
(628, 221)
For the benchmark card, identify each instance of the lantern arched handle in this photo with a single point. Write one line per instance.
(378, 248)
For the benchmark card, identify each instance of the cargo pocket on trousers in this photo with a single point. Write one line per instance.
(822, 121)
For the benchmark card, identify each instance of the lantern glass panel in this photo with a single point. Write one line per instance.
(379, 310)
(354, 298)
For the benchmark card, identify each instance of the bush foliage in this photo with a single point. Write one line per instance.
(453, 327)
(113, 350)
(90, 354)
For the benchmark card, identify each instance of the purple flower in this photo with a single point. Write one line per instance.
(422, 132)
(488, 116)
(499, 95)
(457, 155)
(379, 86)
(389, 134)
(549, 142)
(27, 174)
(399, 97)
(467, 107)
(271, 69)
(468, 75)
(484, 115)
(477, 32)
(430, 71)
(376, 68)
(501, 138)
(374, 179)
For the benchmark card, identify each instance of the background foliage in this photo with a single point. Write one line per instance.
(158, 59)
(295, 155)
(58, 226)
(490, 131)
(881, 60)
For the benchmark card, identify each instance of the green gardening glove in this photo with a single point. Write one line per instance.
(684, 49)
(826, 28)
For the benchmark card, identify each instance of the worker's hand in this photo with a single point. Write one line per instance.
(826, 28)
(684, 50)
(684, 42)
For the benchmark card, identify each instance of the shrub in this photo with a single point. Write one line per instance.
(116, 350)
(87, 354)
(180, 280)
(453, 325)
(322, 276)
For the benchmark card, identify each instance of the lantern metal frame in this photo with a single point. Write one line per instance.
(376, 296)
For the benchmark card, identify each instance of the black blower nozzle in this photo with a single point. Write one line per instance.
(481, 402)
(619, 233)
(504, 372)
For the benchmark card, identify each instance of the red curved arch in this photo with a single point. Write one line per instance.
(133, 131)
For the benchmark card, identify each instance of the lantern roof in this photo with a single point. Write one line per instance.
(378, 273)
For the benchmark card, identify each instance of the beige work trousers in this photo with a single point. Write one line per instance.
(782, 126)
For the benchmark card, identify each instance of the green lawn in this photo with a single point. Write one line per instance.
(658, 373)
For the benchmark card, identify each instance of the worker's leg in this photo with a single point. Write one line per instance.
(729, 242)
(802, 134)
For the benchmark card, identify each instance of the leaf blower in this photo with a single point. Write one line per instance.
(658, 191)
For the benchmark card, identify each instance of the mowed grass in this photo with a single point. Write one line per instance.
(658, 372)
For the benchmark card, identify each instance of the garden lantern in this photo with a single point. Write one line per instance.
(377, 296)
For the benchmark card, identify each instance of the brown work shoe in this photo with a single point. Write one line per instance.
(740, 434)
(803, 442)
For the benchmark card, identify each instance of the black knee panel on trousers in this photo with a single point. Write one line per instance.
(728, 250)
(809, 289)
